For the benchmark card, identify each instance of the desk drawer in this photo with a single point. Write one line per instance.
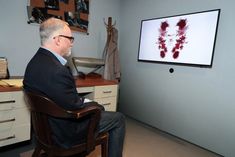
(5, 96)
(108, 103)
(105, 91)
(13, 118)
(15, 135)
(11, 100)
(85, 89)
(7, 102)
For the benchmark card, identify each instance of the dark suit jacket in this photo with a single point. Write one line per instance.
(47, 76)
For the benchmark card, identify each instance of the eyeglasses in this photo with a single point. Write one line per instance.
(68, 37)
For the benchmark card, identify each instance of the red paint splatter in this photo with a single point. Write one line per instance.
(161, 39)
(180, 41)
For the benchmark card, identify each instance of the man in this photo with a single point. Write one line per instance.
(47, 74)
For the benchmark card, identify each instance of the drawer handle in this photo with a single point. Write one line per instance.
(7, 138)
(8, 120)
(106, 104)
(6, 102)
(106, 92)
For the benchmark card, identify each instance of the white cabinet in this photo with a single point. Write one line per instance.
(105, 95)
(14, 118)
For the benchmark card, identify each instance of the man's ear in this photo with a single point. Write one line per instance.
(57, 41)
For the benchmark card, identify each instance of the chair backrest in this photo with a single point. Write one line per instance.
(42, 108)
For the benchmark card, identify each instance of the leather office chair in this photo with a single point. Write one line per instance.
(41, 108)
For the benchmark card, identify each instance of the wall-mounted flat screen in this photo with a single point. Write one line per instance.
(182, 39)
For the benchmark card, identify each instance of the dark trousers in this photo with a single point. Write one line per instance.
(114, 123)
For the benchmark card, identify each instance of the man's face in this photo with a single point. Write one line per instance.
(67, 42)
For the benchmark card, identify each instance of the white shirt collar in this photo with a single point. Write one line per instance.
(62, 60)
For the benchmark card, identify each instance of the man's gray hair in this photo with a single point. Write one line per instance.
(49, 27)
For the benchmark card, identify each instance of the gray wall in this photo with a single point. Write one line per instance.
(19, 40)
(196, 104)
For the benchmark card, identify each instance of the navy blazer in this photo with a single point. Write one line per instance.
(47, 76)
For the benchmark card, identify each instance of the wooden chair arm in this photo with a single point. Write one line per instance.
(90, 108)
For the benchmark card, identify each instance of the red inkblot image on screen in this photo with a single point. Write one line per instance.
(186, 39)
(180, 38)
